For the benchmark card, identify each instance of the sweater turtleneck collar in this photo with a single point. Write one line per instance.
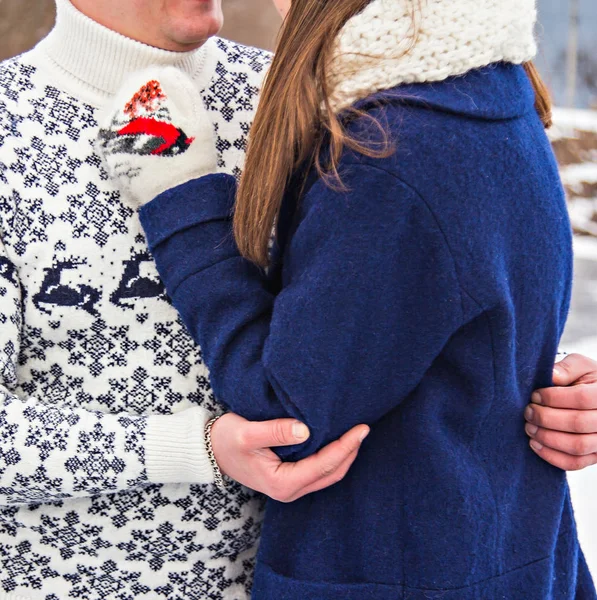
(97, 59)
(394, 42)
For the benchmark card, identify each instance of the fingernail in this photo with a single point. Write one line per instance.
(531, 429)
(528, 413)
(557, 372)
(536, 398)
(300, 431)
(536, 446)
(363, 435)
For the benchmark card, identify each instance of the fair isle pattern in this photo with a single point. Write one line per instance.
(231, 94)
(89, 346)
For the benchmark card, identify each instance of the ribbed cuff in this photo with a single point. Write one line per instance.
(175, 449)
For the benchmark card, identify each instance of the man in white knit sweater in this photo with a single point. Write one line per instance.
(106, 484)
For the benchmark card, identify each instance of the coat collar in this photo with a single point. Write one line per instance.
(496, 92)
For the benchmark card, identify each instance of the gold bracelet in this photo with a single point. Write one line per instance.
(218, 477)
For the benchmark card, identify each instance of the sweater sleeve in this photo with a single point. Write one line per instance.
(51, 451)
(370, 298)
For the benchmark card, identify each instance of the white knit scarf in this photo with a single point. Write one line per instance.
(383, 46)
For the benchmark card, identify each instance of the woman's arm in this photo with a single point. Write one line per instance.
(144, 176)
(370, 298)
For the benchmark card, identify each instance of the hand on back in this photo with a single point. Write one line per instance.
(562, 420)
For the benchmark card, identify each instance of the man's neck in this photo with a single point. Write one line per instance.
(96, 59)
(103, 13)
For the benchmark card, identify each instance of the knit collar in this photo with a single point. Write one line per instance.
(383, 46)
(99, 59)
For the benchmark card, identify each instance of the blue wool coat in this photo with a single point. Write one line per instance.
(427, 300)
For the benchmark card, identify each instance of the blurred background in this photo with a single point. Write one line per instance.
(568, 62)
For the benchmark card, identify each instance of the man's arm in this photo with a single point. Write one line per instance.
(562, 420)
(52, 451)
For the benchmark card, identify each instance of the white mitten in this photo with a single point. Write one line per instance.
(157, 134)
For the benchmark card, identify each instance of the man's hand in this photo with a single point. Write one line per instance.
(242, 450)
(562, 421)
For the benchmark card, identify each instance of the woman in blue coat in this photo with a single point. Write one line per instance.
(419, 282)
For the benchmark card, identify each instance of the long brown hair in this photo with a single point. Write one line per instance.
(295, 118)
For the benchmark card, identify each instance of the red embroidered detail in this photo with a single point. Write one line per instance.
(144, 98)
(173, 138)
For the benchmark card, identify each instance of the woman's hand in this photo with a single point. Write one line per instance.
(562, 421)
(242, 450)
(156, 135)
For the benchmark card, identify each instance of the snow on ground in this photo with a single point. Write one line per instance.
(583, 486)
(568, 120)
(585, 248)
(582, 214)
(574, 138)
(577, 175)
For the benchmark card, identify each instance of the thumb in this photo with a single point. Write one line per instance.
(279, 432)
(571, 369)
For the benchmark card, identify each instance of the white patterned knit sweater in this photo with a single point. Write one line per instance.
(98, 499)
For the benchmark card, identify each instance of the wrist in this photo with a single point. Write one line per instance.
(218, 475)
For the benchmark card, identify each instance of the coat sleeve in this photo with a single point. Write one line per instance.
(50, 451)
(370, 298)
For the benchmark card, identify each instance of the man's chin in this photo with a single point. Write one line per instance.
(187, 37)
